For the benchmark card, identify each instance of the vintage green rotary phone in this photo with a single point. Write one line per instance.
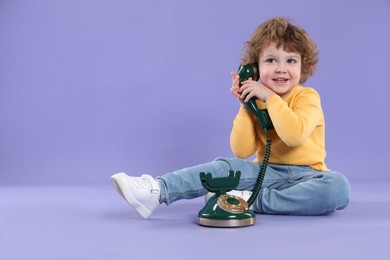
(225, 210)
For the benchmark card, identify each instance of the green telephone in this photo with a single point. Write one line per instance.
(225, 210)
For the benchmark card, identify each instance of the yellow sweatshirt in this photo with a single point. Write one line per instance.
(299, 134)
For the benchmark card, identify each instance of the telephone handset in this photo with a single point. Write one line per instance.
(252, 71)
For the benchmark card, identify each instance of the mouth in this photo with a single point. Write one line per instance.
(280, 80)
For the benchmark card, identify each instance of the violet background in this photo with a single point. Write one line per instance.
(90, 88)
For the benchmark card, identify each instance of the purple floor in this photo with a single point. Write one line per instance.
(95, 223)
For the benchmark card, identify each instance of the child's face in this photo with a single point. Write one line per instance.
(280, 71)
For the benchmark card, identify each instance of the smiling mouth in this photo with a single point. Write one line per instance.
(280, 80)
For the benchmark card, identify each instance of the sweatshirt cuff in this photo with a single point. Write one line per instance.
(244, 112)
(273, 99)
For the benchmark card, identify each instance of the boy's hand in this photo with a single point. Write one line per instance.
(235, 89)
(253, 89)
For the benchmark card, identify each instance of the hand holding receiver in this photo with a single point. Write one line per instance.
(246, 72)
(235, 89)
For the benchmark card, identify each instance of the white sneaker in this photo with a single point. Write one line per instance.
(244, 194)
(143, 193)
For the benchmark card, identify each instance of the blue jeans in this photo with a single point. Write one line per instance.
(286, 189)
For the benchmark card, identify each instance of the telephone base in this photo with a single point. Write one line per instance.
(226, 223)
(226, 211)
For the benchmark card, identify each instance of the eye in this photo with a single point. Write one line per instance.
(270, 60)
(291, 61)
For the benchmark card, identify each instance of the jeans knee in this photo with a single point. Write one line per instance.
(338, 191)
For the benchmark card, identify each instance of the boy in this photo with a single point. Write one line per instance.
(297, 180)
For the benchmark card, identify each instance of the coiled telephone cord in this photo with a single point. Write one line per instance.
(263, 168)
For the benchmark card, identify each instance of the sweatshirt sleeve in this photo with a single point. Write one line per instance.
(294, 123)
(243, 138)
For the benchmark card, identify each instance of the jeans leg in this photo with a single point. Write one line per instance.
(186, 184)
(310, 193)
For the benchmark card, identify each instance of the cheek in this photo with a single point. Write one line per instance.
(264, 78)
(297, 74)
(265, 75)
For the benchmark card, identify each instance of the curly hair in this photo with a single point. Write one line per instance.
(291, 38)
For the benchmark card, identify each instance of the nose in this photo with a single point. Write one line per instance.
(280, 69)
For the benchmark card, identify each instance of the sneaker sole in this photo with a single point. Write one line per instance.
(121, 185)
